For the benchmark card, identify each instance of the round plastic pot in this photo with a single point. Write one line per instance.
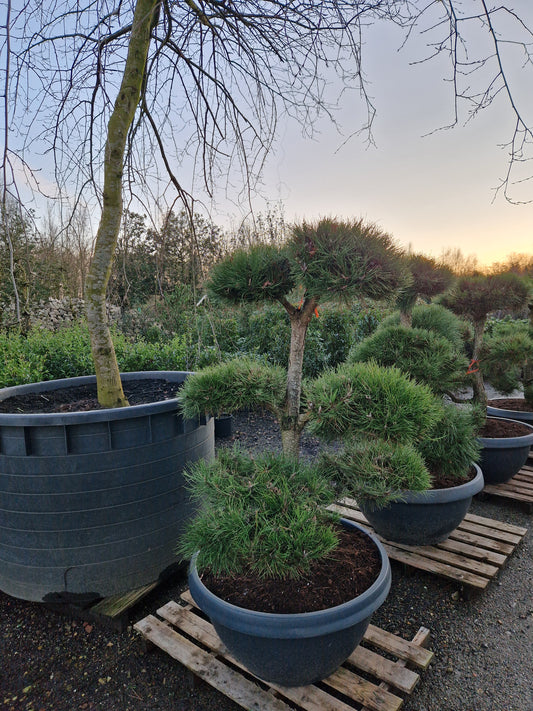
(223, 426)
(503, 457)
(424, 518)
(519, 415)
(92, 503)
(294, 649)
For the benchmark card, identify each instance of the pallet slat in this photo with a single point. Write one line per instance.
(185, 634)
(519, 488)
(472, 555)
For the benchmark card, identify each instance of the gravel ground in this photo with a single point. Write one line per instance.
(483, 646)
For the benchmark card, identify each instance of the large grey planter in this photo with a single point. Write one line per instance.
(503, 457)
(92, 503)
(424, 518)
(294, 649)
(520, 415)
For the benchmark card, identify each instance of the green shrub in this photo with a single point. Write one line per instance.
(264, 515)
(365, 398)
(376, 471)
(421, 354)
(66, 352)
(19, 363)
(142, 355)
(451, 446)
(504, 355)
(231, 386)
(435, 317)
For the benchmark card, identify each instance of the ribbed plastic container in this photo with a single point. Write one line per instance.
(93, 503)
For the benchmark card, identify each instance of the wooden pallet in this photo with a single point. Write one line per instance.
(472, 555)
(519, 488)
(184, 633)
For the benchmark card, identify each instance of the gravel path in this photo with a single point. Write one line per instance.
(483, 646)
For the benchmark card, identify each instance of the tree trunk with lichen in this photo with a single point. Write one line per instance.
(292, 422)
(110, 392)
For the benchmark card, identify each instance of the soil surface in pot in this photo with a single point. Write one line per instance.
(447, 481)
(512, 403)
(498, 427)
(346, 573)
(83, 398)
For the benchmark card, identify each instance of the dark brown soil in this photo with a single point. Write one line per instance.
(447, 481)
(498, 427)
(83, 398)
(512, 403)
(346, 573)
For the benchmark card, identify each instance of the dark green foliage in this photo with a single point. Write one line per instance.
(364, 398)
(264, 515)
(260, 273)
(375, 470)
(451, 446)
(345, 260)
(437, 318)
(421, 354)
(234, 385)
(19, 363)
(504, 355)
(328, 338)
(427, 279)
(474, 297)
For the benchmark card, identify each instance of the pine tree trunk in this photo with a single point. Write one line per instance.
(110, 393)
(291, 424)
(480, 396)
(406, 318)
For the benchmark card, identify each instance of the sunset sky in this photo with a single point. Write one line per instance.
(433, 191)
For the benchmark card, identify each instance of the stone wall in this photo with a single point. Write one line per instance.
(55, 313)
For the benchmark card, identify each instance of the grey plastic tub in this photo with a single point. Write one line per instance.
(294, 649)
(93, 503)
(503, 457)
(424, 518)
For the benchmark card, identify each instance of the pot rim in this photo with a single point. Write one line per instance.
(63, 418)
(508, 442)
(441, 496)
(302, 624)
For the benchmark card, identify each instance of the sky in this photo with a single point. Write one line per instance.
(431, 189)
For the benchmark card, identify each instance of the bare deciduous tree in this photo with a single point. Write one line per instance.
(114, 89)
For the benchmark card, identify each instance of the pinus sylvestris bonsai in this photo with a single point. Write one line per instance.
(329, 260)
(474, 297)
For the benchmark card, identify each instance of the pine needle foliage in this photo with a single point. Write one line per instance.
(421, 354)
(474, 297)
(428, 279)
(451, 445)
(436, 318)
(263, 515)
(365, 398)
(345, 260)
(259, 273)
(231, 386)
(504, 356)
(376, 471)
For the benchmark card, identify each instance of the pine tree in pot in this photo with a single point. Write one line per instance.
(508, 363)
(505, 443)
(414, 483)
(265, 550)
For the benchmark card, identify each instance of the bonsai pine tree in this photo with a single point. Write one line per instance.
(474, 297)
(328, 260)
(428, 279)
(508, 359)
